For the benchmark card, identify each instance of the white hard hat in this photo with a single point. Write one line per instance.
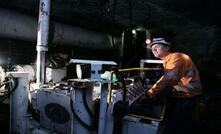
(158, 41)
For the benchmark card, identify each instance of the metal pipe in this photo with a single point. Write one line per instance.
(17, 26)
(23, 27)
(42, 39)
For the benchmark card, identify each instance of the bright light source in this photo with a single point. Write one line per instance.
(148, 41)
(134, 31)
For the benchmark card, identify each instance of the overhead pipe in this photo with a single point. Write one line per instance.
(42, 39)
(20, 26)
(17, 26)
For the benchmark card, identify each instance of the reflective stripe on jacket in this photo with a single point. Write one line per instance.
(181, 74)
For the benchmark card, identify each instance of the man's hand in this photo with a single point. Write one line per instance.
(145, 98)
(150, 93)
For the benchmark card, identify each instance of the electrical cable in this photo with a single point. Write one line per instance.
(85, 125)
(53, 63)
(56, 62)
(5, 83)
(121, 78)
(33, 112)
(85, 103)
(14, 82)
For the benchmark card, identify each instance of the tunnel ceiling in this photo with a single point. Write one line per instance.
(113, 16)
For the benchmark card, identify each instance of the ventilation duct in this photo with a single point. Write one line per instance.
(19, 26)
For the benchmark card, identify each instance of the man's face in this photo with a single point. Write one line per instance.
(159, 50)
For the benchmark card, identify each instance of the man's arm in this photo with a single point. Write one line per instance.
(171, 77)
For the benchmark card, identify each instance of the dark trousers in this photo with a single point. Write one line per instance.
(179, 116)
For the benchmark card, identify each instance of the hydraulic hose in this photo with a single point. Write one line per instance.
(85, 125)
(14, 82)
(85, 104)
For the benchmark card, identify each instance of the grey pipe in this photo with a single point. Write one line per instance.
(42, 39)
(19, 26)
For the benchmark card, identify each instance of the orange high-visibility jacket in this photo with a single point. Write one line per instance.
(181, 74)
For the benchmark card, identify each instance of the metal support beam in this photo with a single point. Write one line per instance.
(19, 104)
(42, 39)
